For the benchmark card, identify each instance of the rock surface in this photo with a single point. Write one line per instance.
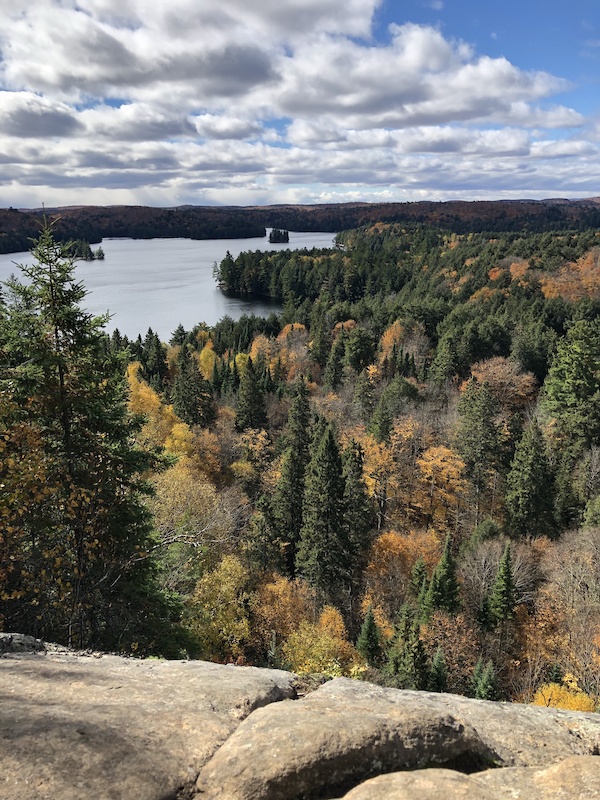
(110, 728)
(346, 732)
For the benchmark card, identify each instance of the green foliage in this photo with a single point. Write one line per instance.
(77, 544)
(406, 666)
(443, 591)
(438, 673)
(192, 400)
(324, 554)
(503, 597)
(484, 682)
(369, 643)
(529, 489)
(251, 409)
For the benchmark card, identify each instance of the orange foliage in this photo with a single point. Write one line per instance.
(575, 281)
(518, 269)
(281, 605)
(391, 560)
(391, 338)
(458, 638)
(495, 273)
(483, 295)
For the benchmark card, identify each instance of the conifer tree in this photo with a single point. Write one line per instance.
(418, 575)
(484, 681)
(529, 492)
(503, 597)
(407, 662)
(438, 672)
(192, 400)
(443, 591)
(335, 363)
(251, 410)
(289, 493)
(368, 643)
(71, 567)
(358, 511)
(324, 554)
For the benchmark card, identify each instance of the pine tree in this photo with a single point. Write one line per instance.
(192, 400)
(78, 536)
(368, 643)
(438, 673)
(443, 591)
(358, 511)
(289, 493)
(323, 557)
(381, 421)
(251, 409)
(334, 368)
(407, 662)
(503, 597)
(484, 681)
(529, 488)
(418, 575)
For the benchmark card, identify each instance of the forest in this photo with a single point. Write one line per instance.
(396, 479)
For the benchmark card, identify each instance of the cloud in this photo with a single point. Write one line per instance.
(180, 101)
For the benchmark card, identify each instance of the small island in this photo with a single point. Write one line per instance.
(278, 236)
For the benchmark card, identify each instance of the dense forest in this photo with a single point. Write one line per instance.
(92, 223)
(397, 478)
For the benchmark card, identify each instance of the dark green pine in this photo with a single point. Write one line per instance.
(503, 597)
(368, 643)
(323, 557)
(251, 409)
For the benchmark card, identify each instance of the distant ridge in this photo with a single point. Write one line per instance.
(92, 223)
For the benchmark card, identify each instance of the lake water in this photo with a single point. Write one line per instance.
(160, 283)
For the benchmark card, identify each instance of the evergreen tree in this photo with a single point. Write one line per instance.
(74, 521)
(358, 511)
(289, 494)
(407, 662)
(529, 492)
(251, 410)
(381, 422)
(443, 591)
(503, 597)
(368, 643)
(324, 553)
(478, 441)
(334, 368)
(438, 673)
(484, 681)
(192, 400)
(418, 576)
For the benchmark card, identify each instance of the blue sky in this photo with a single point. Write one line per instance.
(301, 101)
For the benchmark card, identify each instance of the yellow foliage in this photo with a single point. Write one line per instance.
(391, 338)
(281, 606)
(207, 359)
(555, 695)
(160, 418)
(321, 648)
(219, 611)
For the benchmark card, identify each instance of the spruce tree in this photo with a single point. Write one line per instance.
(503, 597)
(289, 493)
(418, 575)
(438, 673)
(71, 546)
(323, 557)
(443, 591)
(484, 681)
(192, 400)
(368, 643)
(529, 488)
(334, 368)
(358, 511)
(251, 409)
(407, 662)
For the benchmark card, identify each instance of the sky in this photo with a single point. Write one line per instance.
(255, 102)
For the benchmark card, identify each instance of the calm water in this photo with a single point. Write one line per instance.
(160, 283)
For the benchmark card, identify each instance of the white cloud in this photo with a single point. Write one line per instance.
(184, 101)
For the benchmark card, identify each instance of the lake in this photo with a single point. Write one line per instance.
(160, 283)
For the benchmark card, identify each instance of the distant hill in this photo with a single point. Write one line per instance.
(92, 223)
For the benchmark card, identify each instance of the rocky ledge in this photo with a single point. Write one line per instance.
(75, 726)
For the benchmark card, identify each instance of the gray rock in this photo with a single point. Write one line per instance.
(19, 643)
(575, 778)
(112, 728)
(346, 732)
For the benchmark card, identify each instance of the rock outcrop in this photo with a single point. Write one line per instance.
(111, 728)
